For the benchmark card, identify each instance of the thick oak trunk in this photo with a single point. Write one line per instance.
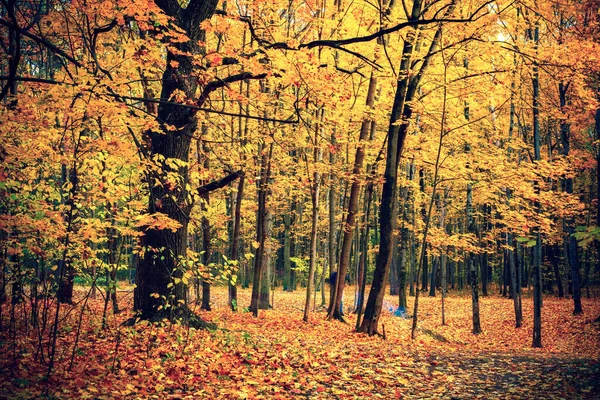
(165, 249)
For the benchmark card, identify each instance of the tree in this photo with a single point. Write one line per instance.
(161, 276)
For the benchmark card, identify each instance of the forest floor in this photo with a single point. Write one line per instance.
(277, 356)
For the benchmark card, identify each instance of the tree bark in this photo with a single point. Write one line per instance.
(349, 226)
(471, 262)
(331, 242)
(233, 301)
(315, 194)
(515, 290)
(536, 268)
(387, 222)
(165, 248)
(261, 226)
(265, 282)
(565, 135)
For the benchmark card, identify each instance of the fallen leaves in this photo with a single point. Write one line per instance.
(279, 356)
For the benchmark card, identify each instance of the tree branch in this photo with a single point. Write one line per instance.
(336, 43)
(218, 184)
(37, 80)
(288, 120)
(219, 83)
(50, 46)
(170, 7)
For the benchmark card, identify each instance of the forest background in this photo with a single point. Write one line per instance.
(185, 161)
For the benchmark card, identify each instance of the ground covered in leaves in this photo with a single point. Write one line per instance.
(279, 356)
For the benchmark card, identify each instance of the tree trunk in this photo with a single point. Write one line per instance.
(233, 301)
(515, 290)
(565, 135)
(536, 269)
(553, 252)
(365, 247)
(287, 244)
(265, 282)
(334, 307)
(261, 226)
(425, 266)
(404, 254)
(472, 267)
(443, 256)
(331, 242)
(597, 154)
(434, 265)
(165, 247)
(315, 189)
(205, 227)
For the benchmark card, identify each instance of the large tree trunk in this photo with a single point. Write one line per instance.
(165, 248)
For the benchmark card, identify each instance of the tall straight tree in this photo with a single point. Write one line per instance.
(571, 245)
(409, 77)
(349, 226)
(536, 269)
(387, 219)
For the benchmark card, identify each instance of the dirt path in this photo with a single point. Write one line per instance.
(496, 375)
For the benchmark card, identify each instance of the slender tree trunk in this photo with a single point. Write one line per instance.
(235, 241)
(265, 282)
(515, 290)
(597, 154)
(425, 266)
(537, 250)
(316, 186)
(331, 242)
(565, 136)
(443, 257)
(363, 281)
(205, 227)
(434, 265)
(349, 226)
(261, 234)
(553, 252)
(287, 244)
(472, 267)
(404, 254)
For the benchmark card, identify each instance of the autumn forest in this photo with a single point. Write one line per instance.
(254, 199)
